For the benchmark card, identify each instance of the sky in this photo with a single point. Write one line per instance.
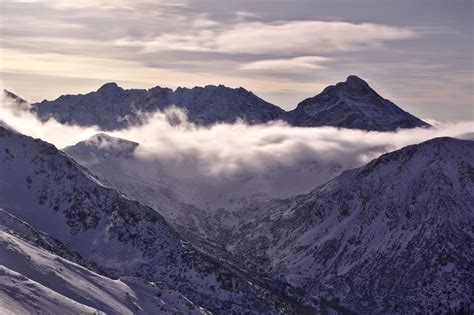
(417, 53)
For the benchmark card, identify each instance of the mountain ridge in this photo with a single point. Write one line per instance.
(362, 108)
(372, 245)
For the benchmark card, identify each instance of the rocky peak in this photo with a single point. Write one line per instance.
(109, 88)
(352, 104)
(356, 83)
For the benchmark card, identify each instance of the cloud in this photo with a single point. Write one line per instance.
(18, 117)
(298, 64)
(207, 165)
(279, 38)
(99, 4)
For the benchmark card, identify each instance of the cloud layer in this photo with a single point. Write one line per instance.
(209, 165)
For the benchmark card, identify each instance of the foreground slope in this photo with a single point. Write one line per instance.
(394, 236)
(33, 279)
(352, 104)
(45, 188)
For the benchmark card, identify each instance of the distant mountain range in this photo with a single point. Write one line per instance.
(349, 104)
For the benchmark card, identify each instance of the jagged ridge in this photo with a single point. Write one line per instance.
(350, 104)
(393, 236)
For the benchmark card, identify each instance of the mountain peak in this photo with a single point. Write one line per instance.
(352, 104)
(109, 87)
(355, 82)
(102, 143)
(440, 149)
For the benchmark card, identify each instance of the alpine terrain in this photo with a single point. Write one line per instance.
(42, 187)
(101, 228)
(350, 104)
(394, 236)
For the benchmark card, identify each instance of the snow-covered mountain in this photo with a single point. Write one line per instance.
(43, 187)
(114, 159)
(112, 107)
(394, 236)
(33, 279)
(352, 104)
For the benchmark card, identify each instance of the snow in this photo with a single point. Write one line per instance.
(350, 104)
(54, 285)
(112, 107)
(373, 255)
(393, 236)
(51, 192)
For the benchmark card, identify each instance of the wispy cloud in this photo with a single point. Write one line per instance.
(280, 38)
(298, 64)
(100, 4)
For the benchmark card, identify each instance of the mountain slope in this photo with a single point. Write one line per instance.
(50, 284)
(394, 236)
(352, 104)
(112, 107)
(45, 188)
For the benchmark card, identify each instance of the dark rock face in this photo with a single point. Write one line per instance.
(352, 104)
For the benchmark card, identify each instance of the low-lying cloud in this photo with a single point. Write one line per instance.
(17, 116)
(207, 165)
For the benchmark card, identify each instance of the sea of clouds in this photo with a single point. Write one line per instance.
(236, 160)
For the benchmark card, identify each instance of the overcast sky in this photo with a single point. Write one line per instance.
(418, 53)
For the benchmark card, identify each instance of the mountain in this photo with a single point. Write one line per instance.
(44, 188)
(33, 278)
(394, 236)
(114, 159)
(352, 104)
(112, 107)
